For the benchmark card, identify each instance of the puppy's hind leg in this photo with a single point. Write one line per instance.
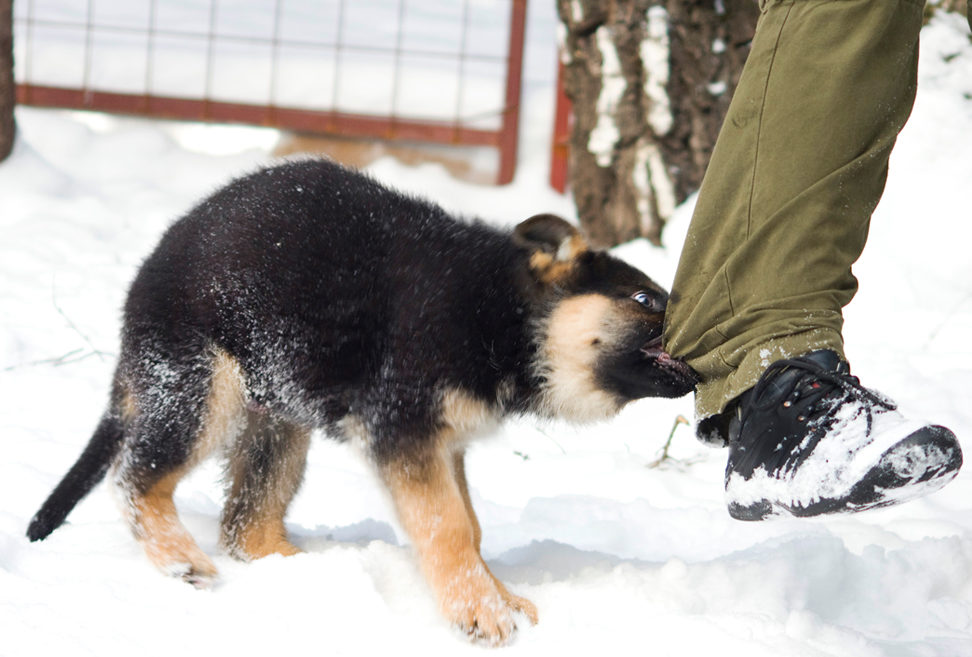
(177, 419)
(265, 470)
(165, 540)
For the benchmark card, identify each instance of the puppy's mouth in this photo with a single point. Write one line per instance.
(679, 369)
(647, 371)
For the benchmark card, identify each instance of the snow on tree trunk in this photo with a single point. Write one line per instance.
(7, 89)
(650, 81)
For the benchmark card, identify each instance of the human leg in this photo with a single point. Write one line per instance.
(799, 166)
(784, 210)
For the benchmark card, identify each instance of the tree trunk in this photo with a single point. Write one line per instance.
(650, 81)
(8, 91)
(963, 7)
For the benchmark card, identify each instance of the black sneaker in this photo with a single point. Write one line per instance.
(809, 439)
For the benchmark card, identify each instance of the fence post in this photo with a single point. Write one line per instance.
(509, 133)
(560, 147)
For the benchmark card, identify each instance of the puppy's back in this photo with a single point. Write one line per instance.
(347, 283)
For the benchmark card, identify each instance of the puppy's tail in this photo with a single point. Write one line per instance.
(84, 475)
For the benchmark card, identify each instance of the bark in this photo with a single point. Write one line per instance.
(956, 6)
(7, 89)
(650, 81)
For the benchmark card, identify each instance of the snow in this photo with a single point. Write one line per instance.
(716, 88)
(605, 134)
(651, 179)
(655, 50)
(619, 558)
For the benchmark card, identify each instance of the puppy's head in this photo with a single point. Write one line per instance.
(600, 334)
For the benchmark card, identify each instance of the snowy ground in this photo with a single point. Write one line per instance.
(620, 558)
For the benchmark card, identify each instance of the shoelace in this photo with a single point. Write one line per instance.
(814, 384)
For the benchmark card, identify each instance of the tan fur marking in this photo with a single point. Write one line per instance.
(354, 430)
(551, 268)
(225, 413)
(576, 332)
(166, 542)
(464, 413)
(266, 536)
(129, 409)
(437, 516)
(548, 269)
(572, 247)
(459, 471)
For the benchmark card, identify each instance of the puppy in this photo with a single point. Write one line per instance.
(307, 296)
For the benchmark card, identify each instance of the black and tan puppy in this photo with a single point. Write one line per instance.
(308, 296)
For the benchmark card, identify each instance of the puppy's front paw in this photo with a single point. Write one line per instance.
(482, 608)
(517, 603)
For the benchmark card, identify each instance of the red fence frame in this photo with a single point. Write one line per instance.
(390, 128)
(560, 146)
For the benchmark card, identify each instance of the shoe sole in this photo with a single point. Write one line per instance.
(919, 464)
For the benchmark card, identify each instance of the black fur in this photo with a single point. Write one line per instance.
(84, 475)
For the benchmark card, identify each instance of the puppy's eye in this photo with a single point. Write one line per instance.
(648, 301)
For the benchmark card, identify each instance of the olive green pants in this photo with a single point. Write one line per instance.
(798, 168)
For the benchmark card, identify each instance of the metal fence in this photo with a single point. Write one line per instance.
(442, 71)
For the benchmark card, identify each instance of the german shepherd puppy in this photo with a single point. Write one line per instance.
(307, 296)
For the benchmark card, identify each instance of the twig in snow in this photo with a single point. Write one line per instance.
(563, 451)
(680, 419)
(97, 352)
(951, 313)
(64, 359)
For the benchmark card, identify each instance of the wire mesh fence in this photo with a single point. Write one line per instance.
(443, 71)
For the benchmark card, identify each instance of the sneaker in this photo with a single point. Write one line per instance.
(809, 439)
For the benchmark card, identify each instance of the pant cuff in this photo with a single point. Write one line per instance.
(712, 396)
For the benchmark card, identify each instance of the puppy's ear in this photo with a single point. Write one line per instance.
(554, 245)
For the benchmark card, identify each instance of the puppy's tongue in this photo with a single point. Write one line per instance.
(653, 349)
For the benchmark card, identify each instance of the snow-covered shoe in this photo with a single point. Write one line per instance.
(809, 439)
